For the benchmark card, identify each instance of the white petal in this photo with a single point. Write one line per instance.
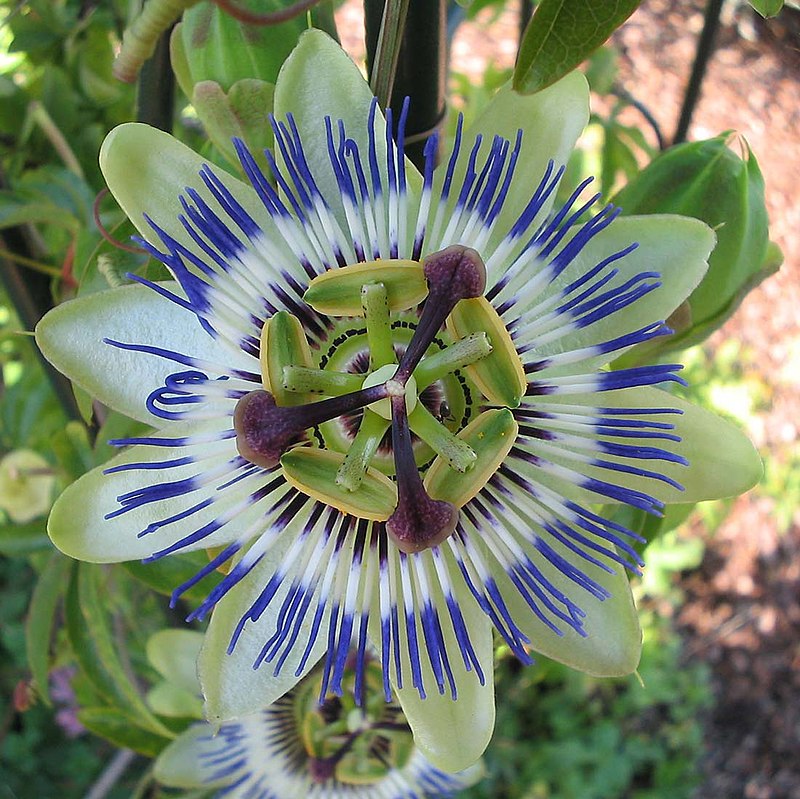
(675, 247)
(318, 80)
(551, 122)
(452, 734)
(231, 686)
(72, 335)
(722, 460)
(78, 526)
(182, 764)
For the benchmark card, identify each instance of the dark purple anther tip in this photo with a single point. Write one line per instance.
(455, 273)
(322, 769)
(419, 523)
(262, 432)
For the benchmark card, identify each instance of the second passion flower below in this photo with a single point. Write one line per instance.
(382, 404)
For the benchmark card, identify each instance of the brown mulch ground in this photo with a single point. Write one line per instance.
(742, 610)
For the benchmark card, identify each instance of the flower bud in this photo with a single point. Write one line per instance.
(709, 181)
(228, 69)
(26, 485)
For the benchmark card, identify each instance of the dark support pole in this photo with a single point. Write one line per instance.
(421, 68)
(155, 102)
(705, 47)
(30, 295)
(525, 14)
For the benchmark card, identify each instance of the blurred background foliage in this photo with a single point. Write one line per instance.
(73, 670)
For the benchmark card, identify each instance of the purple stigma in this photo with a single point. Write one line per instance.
(418, 522)
(453, 274)
(265, 430)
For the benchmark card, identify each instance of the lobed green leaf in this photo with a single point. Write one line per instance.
(92, 640)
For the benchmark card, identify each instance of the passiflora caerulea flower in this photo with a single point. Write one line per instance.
(296, 747)
(382, 399)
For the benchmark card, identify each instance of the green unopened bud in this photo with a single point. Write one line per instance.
(227, 70)
(210, 45)
(26, 485)
(709, 181)
(242, 112)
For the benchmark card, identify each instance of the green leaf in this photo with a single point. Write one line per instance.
(73, 450)
(767, 8)
(173, 652)
(122, 730)
(244, 112)
(167, 574)
(563, 33)
(92, 640)
(171, 701)
(22, 539)
(41, 619)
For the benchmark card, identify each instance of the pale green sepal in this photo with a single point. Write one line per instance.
(77, 523)
(182, 765)
(147, 170)
(551, 122)
(173, 653)
(613, 641)
(677, 247)
(722, 460)
(451, 734)
(317, 80)
(231, 686)
(167, 699)
(72, 335)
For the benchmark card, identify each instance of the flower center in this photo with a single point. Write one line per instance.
(386, 375)
(420, 504)
(355, 744)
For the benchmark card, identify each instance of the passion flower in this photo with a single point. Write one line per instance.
(297, 747)
(383, 403)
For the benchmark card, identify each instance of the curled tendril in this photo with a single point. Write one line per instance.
(267, 18)
(105, 234)
(139, 40)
